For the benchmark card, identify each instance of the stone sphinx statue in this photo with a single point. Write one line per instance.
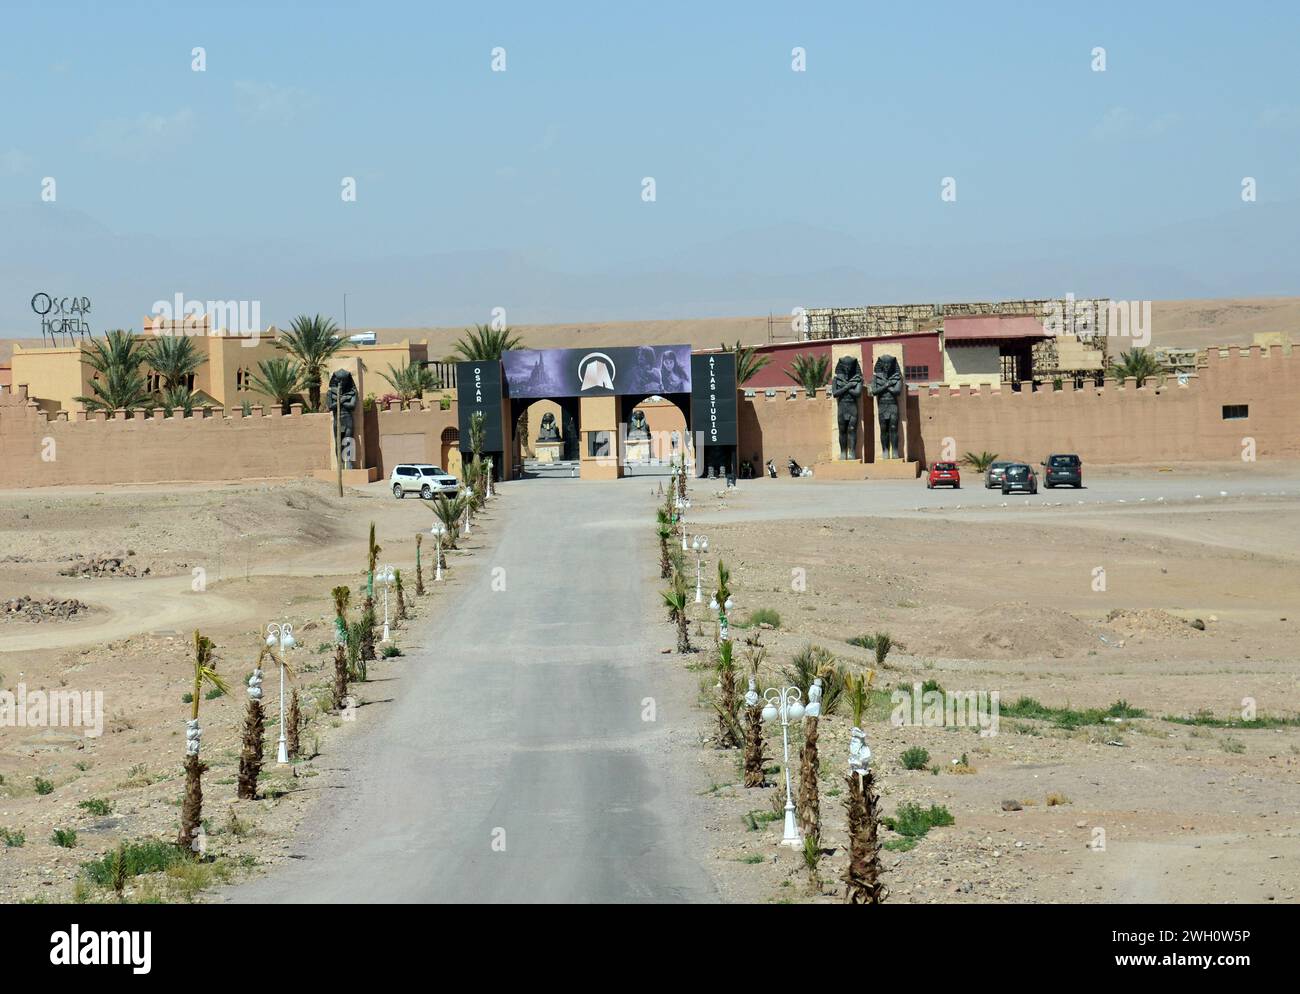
(638, 427)
(887, 388)
(846, 388)
(548, 431)
(341, 401)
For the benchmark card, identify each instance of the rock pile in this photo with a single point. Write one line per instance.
(26, 608)
(94, 566)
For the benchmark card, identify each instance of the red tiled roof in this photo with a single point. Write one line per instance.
(991, 327)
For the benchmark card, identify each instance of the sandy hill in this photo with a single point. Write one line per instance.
(1177, 323)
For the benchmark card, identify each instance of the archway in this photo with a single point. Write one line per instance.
(538, 455)
(667, 419)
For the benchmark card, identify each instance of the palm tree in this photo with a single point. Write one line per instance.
(411, 379)
(254, 744)
(728, 705)
(664, 529)
(419, 566)
(205, 674)
(174, 358)
(477, 430)
(748, 361)
(449, 511)
(341, 597)
(179, 396)
(280, 379)
(754, 758)
(1140, 364)
(368, 609)
(312, 341)
(676, 599)
(862, 877)
(485, 342)
(979, 461)
(810, 371)
(118, 361)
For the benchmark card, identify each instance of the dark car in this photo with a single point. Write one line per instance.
(993, 475)
(1063, 468)
(1019, 478)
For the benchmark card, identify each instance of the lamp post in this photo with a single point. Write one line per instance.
(385, 576)
(467, 522)
(283, 635)
(724, 631)
(438, 531)
(701, 546)
(682, 505)
(785, 703)
(489, 495)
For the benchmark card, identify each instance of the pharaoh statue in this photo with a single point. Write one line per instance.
(341, 401)
(846, 388)
(638, 427)
(549, 431)
(887, 388)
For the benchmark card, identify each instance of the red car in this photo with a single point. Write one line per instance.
(944, 474)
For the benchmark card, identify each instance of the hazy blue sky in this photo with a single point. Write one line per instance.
(523, 188)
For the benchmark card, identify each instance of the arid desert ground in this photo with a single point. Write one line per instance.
(978, 592)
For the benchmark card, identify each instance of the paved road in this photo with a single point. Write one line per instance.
(522, 722)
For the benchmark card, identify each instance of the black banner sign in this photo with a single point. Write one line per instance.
(478, 388)
(713, 398)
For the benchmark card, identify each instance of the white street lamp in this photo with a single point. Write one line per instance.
(385, 576)
(281, 634)
(439, 532)
(467, 522)
(701, 546)
(682, 505)
(785, 703)
(489, 494)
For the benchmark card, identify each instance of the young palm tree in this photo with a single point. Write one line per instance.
(292, 734)
(341, 597)
(254, 743)
(205, 674)
(754, 758)
(477, 429)
(664, 529)
(410, 380)
(118, 361)
(174, 358)
(1139, 364)
(449, 511)
(419, 566)
(812, 372)
(482, 342)
(676, 599)
(748, 361)
(979, 461)
(727, 705)
(176, 397)
(280, 379)
(862, 877)
(368, 609)
(401, 596)
(809, 804)
(357, 632)
(312, 341)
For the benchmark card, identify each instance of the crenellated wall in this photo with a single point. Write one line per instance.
(145, 447)
(1124, 423)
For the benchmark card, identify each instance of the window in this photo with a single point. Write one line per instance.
(1235, 412)
(915, 374)
(243, 379)
(598, 444)
(431, 471)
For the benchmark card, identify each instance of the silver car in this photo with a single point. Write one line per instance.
(993, 475)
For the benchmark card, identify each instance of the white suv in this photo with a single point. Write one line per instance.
(422, 478)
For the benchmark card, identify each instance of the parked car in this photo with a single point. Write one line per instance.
(1061, 468)
(1019, 477)
(944, 474)
(993, 475)
(422, 478)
